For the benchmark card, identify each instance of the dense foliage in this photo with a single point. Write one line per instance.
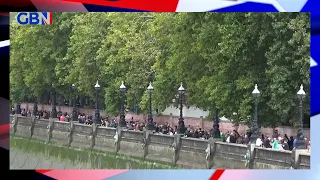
(218, 57)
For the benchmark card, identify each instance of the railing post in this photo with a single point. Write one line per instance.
(117, 139)
(70, 135)
(32, 126)
(251, 153)
(176, 148)
(295, 162)
(15, 123)
(50, 128)
(210, 151)
(93, 135)
(145, 142)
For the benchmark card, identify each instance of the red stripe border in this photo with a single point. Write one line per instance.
(5, 130)
(145, 5)
(50, 13)
(42, 171)
(4, 14)
(217, 174)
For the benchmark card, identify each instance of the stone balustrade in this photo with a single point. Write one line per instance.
(176, 150)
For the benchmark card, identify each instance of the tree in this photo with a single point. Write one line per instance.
(217, 56)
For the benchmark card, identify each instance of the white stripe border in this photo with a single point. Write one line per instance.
(313, 63)
(4, 43)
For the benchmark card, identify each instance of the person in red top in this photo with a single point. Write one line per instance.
(62, 118)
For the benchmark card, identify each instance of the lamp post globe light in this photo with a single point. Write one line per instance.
(74, 110)
(97, 111)
(122, 122)
(216, 130)
(150, 125)
(54, 102)
(181, 126)
(301, 143)
(255, 126)
(235, 118)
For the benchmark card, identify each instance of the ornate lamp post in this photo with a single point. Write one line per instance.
(18, 108)
(216, 120)
(301, 143)
(181, 126)
(74, 110)
(255, 127)
(97, 111)
(54, 102)
(150, 125)
(35, 108)
(122, 122)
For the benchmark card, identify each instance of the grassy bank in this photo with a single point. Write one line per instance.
(91, 158)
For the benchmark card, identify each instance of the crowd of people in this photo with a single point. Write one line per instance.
(274, 141)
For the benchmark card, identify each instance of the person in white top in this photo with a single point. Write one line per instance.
(228, 139)
(258, 142)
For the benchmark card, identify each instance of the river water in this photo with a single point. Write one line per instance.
(27, 160)
(31, 154)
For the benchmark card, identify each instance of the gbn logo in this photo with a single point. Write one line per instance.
(34, 18)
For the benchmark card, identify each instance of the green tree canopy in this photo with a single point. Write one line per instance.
(217, 56)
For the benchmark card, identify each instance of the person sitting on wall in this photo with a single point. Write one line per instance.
(246, 139)
(266, 142)
(233, 138)
(222, 136)
(240, 140)
(23, 112)
(45, 115)
(259, 142)
(62, 118)
(284, 144)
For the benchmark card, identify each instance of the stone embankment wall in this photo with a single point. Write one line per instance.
(173, 121)
(177, 150)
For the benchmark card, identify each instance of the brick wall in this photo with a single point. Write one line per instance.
(173, 121)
